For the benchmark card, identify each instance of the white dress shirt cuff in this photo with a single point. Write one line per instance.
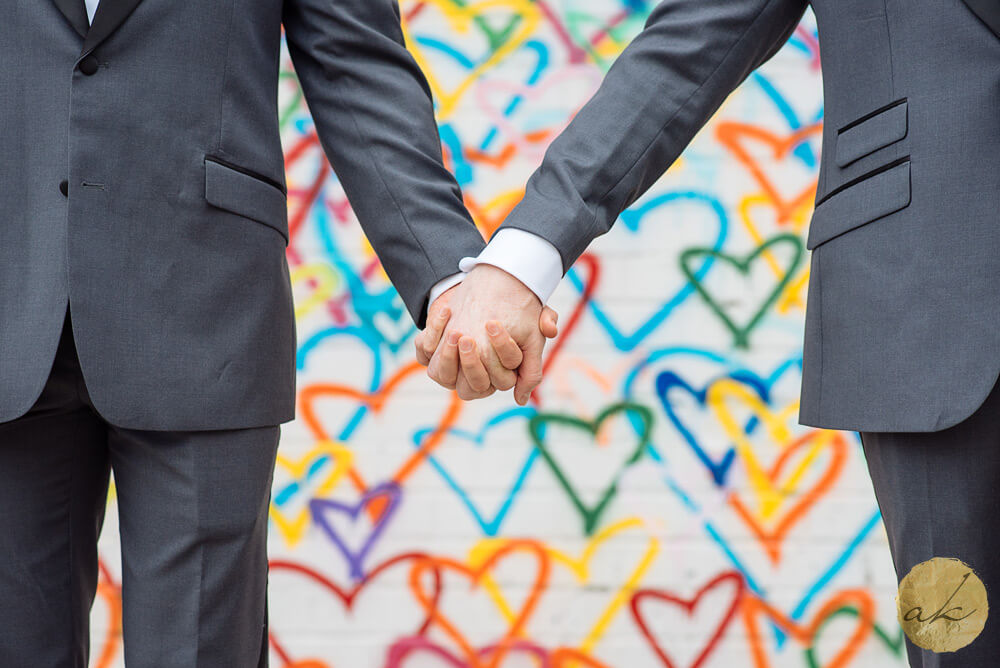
(442, 285)
(524, 255)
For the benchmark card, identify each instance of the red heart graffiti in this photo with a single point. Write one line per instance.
(688, 606)
(348, 596)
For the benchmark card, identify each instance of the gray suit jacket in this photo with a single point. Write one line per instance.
(161, 122)
(902, 328)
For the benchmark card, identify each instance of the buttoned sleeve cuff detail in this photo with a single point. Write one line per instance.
(524, 255)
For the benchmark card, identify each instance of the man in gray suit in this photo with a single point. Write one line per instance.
(902, 328)
(144, 194)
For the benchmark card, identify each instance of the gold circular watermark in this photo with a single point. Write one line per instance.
(941, 604)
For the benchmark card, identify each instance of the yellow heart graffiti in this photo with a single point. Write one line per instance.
(770, 498)
(580, 568)
(460, 20)
(327, 282)
(293, 528)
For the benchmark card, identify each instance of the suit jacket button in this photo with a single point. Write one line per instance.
(64, 188)
(89, 65)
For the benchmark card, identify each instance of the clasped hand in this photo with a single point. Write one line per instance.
(486, 334)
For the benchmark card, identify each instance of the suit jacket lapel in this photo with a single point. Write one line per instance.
(109, 15)
(75, 12)
(988, 11)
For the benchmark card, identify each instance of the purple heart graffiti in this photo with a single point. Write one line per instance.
(322, 509)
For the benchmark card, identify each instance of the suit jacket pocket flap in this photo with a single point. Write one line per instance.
(230, 188)
(871, 197)
(871, 133)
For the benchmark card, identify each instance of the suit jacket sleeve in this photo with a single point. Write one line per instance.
(661, 90)
(374, 116)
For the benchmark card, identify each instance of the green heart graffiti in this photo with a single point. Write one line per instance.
(496, 37)
(741, 334)
(592, 514)
(895, 645)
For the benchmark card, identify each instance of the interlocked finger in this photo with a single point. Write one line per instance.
(505, 346)
(427, 341)
(473, 369)
(443, 367)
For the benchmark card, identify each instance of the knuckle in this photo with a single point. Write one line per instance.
(504, 384)
(513, 362)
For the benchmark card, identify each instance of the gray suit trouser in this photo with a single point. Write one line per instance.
(193, 511)
(939, 493)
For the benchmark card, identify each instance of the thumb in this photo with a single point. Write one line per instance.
(529, 374)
